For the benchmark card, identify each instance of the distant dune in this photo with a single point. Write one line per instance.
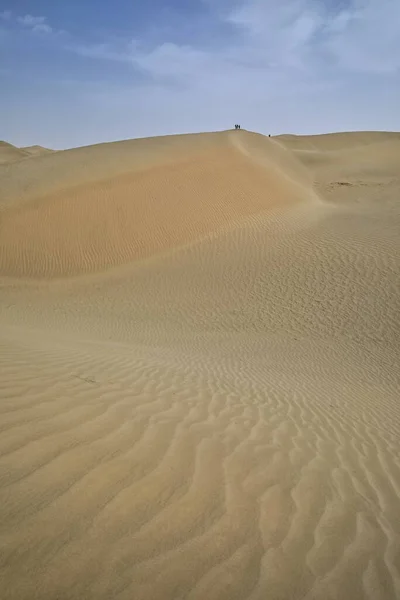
(11, 154)
(36, 150)
(199, 356)
(337, 141)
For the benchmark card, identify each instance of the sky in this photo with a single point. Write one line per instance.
(77, 73)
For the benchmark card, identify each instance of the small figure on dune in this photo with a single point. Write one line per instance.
(237, 126)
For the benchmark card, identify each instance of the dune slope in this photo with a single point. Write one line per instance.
(110, 218)
(199, 349)
(10, 153)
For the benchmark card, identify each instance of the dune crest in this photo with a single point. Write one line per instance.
(199, 350)
(36, 150)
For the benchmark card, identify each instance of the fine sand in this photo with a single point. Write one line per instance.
(199, 369)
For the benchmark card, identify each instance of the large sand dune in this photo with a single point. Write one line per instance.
(199, 356)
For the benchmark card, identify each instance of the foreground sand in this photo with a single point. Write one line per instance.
(199, 358)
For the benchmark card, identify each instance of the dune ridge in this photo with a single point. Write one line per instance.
(199, 350)
(36, 150)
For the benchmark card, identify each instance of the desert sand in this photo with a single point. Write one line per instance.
(199, 369)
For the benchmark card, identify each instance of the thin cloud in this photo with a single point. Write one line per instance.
(122, 52)
(299, 35)
(28, 22)
(42, 28)
(366, 37)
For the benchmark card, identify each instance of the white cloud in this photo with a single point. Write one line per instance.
(30, 21)
(363, 36)
(35, 24)
(42, 28)
(366, 38)
(295, 35)
(122, 52)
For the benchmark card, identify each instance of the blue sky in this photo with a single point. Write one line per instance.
(76, 73)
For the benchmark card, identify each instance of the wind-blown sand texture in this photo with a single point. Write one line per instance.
(199, 388)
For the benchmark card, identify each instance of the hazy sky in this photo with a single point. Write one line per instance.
(80, 72)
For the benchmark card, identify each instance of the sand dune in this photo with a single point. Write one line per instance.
(172, 198)
(36, 150)
(199, 351)
(12, 154)
(337, 141)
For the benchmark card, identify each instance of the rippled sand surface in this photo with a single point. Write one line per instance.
(199, 369)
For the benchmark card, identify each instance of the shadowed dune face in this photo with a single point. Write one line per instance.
(209, 407)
